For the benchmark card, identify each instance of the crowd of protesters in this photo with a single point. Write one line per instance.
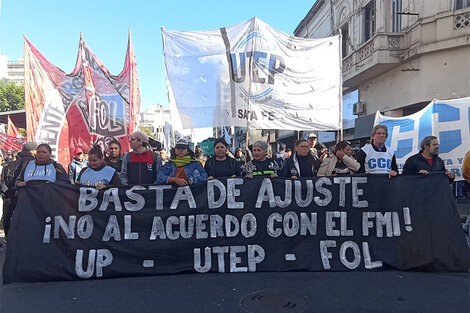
(100, 169)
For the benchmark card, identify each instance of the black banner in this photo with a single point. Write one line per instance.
(236, 225)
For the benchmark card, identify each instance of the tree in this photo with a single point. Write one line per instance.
(11, 96)
(146, 130)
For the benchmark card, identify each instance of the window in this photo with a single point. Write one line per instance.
(396, 17)
(345, 40)
(460, 4)
(369, 20)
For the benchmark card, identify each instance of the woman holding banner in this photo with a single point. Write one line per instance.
(302, 163)
(43, 169)
(183, 168)
(220, 164)
(98, 174)
(261, 165)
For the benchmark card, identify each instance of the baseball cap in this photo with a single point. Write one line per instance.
(140, 135)
(312, 135)
(77, 151)
(182, 143)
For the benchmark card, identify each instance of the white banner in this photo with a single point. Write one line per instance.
(251, 74)
(448, 120)
(168, 131)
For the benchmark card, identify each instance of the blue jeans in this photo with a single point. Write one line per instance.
(460, 189)
(466, 228)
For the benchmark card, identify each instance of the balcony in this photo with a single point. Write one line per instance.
(374, 57)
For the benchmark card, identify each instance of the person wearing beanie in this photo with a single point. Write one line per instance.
(30, 146)
(27, 154)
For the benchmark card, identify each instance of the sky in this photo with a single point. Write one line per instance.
(54, 28)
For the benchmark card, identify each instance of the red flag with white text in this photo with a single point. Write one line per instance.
(85, 107)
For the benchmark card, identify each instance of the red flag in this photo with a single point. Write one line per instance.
(12, 130)
(11, 143)
(89, 105)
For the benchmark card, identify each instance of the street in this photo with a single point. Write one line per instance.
(380, 291)
(383, 291)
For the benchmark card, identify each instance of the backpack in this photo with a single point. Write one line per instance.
(9, 175)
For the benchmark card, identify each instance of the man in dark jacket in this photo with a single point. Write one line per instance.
(140, 166)
(13, 170)
(427, 160)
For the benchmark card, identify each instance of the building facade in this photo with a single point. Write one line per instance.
(398, 54)
(12, 70)
(154, 119)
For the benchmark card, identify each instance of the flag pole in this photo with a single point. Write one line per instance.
(250, 69)
(340, 93)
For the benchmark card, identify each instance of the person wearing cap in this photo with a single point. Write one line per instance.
(376, 157)
(312, 141)
(182, 169)
(141, 165)
(78, 163)
(261, 165)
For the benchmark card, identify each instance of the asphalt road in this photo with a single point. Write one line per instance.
(385, 291)
(309, 292)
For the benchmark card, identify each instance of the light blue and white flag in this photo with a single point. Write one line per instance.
(448, 120)
(251, 74)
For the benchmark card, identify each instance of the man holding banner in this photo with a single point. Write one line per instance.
(427, 160)
(376, 157)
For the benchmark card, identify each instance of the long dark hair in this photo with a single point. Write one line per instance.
(341, 145)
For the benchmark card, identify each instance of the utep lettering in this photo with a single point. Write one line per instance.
(238, 68)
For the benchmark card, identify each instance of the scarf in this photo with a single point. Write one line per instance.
(183, 160)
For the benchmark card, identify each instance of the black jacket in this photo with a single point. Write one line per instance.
(210, 166)
(418, 162)
(290, 167)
